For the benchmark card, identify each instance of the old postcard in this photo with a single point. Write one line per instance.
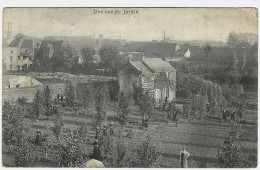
(130, 87)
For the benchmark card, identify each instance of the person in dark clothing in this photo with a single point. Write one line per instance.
(38, 138)
(97, 132)
(96, 151)
(61, 97)
(233, 116)
(146, 122)
(170, 110)
(105, 130)
(224, 116)
(165, 103)
(207, 107)
(111, 130)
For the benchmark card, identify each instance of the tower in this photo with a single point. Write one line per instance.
(9, 29)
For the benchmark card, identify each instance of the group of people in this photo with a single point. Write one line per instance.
(99, 139)
(224, 116)
(60, 97)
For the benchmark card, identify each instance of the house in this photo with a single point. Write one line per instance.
(18, 55)
(154, 75)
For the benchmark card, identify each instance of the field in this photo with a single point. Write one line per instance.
(201, 138)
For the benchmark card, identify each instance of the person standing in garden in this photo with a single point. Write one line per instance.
(184, 158)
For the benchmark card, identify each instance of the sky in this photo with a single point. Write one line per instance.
(148, 24)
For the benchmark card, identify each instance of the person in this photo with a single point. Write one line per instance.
(38, 137)
(105, 130)
(207, 107)
(58, 97)
(165, 103)
(233, 116)
(184, 158)
(61, 97)
(146, 122)
(96, 151)
(97, 132)
(170, 110)
(111, 130)
(224, 117)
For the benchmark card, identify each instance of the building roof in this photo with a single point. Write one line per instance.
(27, 43)
(158, 65)
(15, 42)
(140, 66)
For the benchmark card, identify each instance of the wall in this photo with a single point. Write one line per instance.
(13, 94)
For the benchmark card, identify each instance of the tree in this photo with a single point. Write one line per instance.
(146, 104)
(87, 54)
(229, 154)
(24, 155)
(110, 59)
(63, 61)
(101, 100)
(69, 94)
(124, 108)
(148, 155)
(38, 105)
(72, 154)
(47, 100)
(58, 126)
(207, 50)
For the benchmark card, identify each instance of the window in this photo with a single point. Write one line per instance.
(18, 67)
(11, 66)
(11, 51)
(11, 59)
(26, 51)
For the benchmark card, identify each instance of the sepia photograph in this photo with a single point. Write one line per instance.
(130, 87)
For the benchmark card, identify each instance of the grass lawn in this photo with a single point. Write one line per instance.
(201, 139)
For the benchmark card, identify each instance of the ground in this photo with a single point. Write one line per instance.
(201, 139)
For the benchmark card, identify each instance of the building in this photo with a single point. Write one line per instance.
(19, 54)
(152, 74)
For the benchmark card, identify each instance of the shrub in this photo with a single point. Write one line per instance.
(124, 108)
(148, 155)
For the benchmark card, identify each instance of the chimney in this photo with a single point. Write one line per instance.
(129, 57)
(143, 56)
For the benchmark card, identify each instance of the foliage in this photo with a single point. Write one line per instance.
(38, 105)
(113, 87)
(72, 154)
(63, 61)
(47, 100)
(58, 126)
(24, 155)
(229, 156)
(148, 155)
(87, 55)
(137, 93)
(101, 101)
(124, 108)
(13, 127)
(146, 104)
(69, 94)
(21, 101)
(110, 60)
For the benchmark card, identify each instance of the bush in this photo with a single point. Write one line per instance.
(148, 155)
(124, 108)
